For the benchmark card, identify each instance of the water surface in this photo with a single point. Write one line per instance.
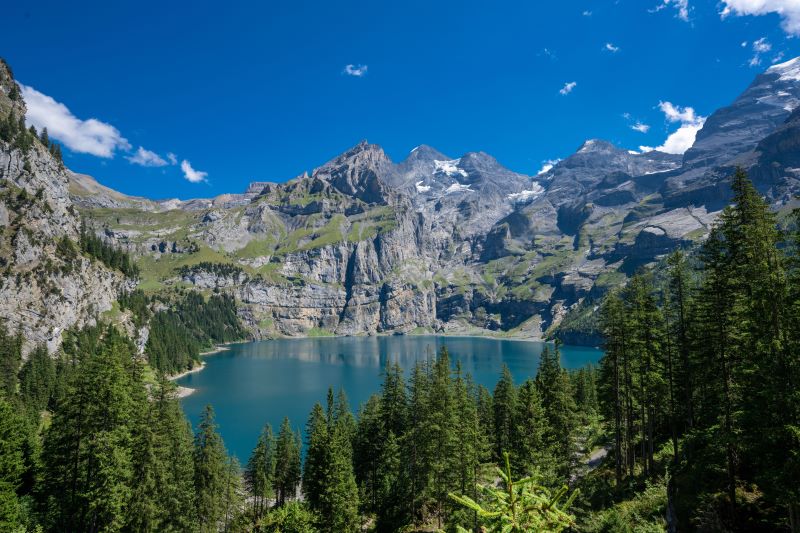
(261, 382)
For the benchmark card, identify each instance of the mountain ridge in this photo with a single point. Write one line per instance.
(366, 245)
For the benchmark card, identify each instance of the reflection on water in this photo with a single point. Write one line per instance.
(261, 382)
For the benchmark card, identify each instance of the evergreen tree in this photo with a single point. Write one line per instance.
(317, 461)
(11, 466)
(10, 360)
(86, 455)
(210, 472)
(260, 472)
(287, 463)
(37, 380)
(529, 452)
(554, 387)
(505, 405)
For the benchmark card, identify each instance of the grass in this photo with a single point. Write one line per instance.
(318, 332)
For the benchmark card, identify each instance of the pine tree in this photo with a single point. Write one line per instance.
(528, 451)
(87, 449)
(260, 473)
(37, 380)
(210, 470)
(11, 466)
(10, 360)
(287, 463)
(174, 452)
(555, 391)
(505, 406)
(317, 461)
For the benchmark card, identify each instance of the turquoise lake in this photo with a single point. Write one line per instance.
(255, 383)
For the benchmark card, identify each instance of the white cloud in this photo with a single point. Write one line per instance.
(173, 159)
(640, 127)
(146, 158)
(788, 10)
(681, 6)
(777, 58)
(359, 71)
(567, 88)
(192, 175)
(611, 48)
(547, 166)
(682, 139)
(744, 44)
(760, 46)
(587, 13)
(89, 136)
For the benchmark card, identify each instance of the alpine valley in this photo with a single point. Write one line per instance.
(365, 245)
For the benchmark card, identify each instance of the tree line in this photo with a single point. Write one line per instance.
(109, 255)
(703, 356)
(90, 441)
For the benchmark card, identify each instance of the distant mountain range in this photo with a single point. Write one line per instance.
(433, 243)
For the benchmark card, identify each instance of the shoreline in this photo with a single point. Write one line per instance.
(183, 392)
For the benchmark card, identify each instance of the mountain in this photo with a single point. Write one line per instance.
(366, 245)
(46, 285)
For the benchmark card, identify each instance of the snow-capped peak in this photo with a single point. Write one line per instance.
(788, 70)
(450, 168)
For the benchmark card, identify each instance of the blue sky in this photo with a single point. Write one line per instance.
(264, 91)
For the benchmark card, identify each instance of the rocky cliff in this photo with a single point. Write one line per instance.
(46, 284)
(365, 245)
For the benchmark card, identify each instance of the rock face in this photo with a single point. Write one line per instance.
(364, 245)
(46, 286)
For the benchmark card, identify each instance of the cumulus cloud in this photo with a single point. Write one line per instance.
(192, 175)
(359, 71)
(640, 127)
(146, 158)
(683, 138)
(547, 166)
(788, 10)
(681, 6)
(760, 46)
(89, 136)
(567, 88)
(173, 159)
(611, 48)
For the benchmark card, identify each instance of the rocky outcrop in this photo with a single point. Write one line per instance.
(363, 245)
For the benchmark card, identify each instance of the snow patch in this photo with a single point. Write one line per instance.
(457, 187)
(788, 71)
(421, 187)
(449, 168)
(414, 149)
(534, 192)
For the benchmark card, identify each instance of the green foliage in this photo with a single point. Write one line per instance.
(11, 466)
(293, 517)
(210, 472)
(10, 360)
(113, 258)
(178, 334)
(519, 506)
(707, 361)
(260, 473)
(287, 463)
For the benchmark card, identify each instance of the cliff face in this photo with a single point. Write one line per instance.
(364, 245)
(46, 285)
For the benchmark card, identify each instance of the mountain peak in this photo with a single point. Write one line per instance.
(788, 70)
(597, 145)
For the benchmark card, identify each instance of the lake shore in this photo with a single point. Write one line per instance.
(183, 392)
